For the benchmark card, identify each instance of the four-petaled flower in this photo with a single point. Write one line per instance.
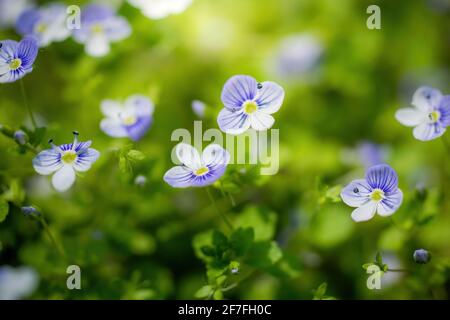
(132, 119)
(64, 161)
(249, 104)
(430, 115)
(377, 193)
(99, 27)
(158, 9)
(196, 170)
(47, 24)
(17, 58)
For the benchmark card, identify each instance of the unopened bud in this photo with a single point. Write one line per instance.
(20, 137)
(421, 256)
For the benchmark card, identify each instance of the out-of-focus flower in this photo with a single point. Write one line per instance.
(371, 154)
(298, 54)
(64, 161)
(17, 283)
(10, 10)
(47, 24)
(199, 107)
(17, 58)
(158, 9)
(20, 137)
(100, 26)
(249, 104)
(131, 119)
(140, 180)
(377, 193)
(196, 170)
(421, 256)
(430, 115)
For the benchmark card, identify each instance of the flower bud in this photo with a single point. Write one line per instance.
(140, 181)
(20, 137)
(421, 256)
(30, 211)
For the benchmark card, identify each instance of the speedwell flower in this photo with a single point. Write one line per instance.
(17, 283)
(132, 119)
(10, 10)
(47, 24)
(64, 161)
(17, 58)
(377, 193)
(430, 115)
(99, 27)
(249, 104)
(196, 170)
(158, 9)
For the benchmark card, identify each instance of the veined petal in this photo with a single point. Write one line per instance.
(411, 117)
(47, 162)
(237, 90)
(113, 128)
(8, 50)
(137, 130)
(214, 155)
(428, 131)
(382, 177)
(261, 121)
(111, 108)
(230, 122)
(81, 147)
(270, 97)
(365, 212)
(390, 203)
(188, 156)
(214, 174)
(426, 98)
(27, 51)
(139, 105)
(179, 177)
(64, 178)
(444, 110)
(357, 193)
(85, 159)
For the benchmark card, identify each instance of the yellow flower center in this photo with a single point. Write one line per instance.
(41, 28)
(69, 156)
(250, 107)
(97, 28)
(15, 64)
(202, 171)
(434, 116)
(377, 195)
(129, 120)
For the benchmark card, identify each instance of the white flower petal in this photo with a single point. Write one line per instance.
(390, 204)
(426, 98)
(47, 162)
(64, 178)
(85, 159)
(365, 212)
(261, 121)
(179, 177)
(113, 128)
(139, 106)
(411, 117)
(97, 46)
(230, 122)
(215, 155)
(356, 193)
(111, 108)
(270, 97)
(188, 156)
(428, 131)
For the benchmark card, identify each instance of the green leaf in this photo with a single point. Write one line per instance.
(135, 155)
(220, 241)
(264, 254)
(37, 136)
(261, 220)
(241, 240)
(4, 209)
(124, 165)
(208, 251)
(204, 292)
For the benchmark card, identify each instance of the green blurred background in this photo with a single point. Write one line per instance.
(148, 242)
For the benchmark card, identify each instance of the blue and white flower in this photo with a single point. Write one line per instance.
(249, 104)
(64, 161)
(17, 58)
(199, 107)
(17, 283)
(196, 170)
(131, 119)
(430, 116)
(10, 10)
(158, 9)
(47, 23)
(100, 26)
(377, 193)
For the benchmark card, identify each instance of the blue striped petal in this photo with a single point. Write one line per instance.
(382, 177)
(237, 90)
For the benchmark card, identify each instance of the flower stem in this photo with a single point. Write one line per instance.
(221, 214)
(227, 194)
(25, 100)
(55, 243)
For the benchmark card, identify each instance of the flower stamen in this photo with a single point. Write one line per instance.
(69, 156)
(202, 171)
(434, 116)
(250, 107)
(377, 195)
(15, 64)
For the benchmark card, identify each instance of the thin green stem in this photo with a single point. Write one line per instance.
(227, 194)
(55, 243)
(25, 100)
(221, 214)
(397, 270)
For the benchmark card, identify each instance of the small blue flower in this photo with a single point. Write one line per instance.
(47, 24)
(430, 116)
(158, 9)
(377, 193)
(132, 119)
(17, 58)
(249, 104)
(99, 27)
(17, 283)
(199, 107)
(10, 10)
(196, 170)
(64, 161)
